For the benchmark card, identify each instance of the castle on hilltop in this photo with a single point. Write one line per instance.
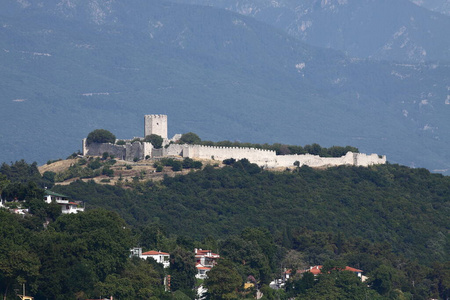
(137, 149)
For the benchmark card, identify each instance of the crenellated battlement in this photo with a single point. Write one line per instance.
(155, 124)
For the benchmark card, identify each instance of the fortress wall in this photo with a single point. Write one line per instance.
(268, 158)
(148, 149)
(135, 150)
(97, 149)
(352, 159)
(173, 150)
(366, 160)
(310, 160)
(258, 156)
(126, 152)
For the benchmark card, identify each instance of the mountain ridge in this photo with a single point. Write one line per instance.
(383, 30)
(238, 79)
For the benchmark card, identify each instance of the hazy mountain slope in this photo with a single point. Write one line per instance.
(383, 29)
(70, 67)
(440, 6)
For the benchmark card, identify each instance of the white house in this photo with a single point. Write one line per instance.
(205, 260)
(67, 206)
(160, 257)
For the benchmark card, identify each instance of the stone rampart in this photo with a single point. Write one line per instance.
(97, 149)
(269, 159)
(134, 151)
(174, 150)
(261, 157)
(128, 152)
(365, 160)
(221, 153)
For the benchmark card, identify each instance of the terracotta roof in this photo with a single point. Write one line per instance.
(317, 270)
(155, 253)
(202, 253)
(347, 268)
(202, 267)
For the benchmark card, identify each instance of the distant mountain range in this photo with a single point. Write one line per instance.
(69, 67)
(440, 6)
(384, 29)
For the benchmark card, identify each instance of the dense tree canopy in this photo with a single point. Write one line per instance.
(389, 221)
(100, 136)
(223, 281)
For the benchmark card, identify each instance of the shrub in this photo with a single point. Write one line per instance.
(111, 162)
(167, 162)
(105, 155)
(229, 161)
(190, 138)
(155, 140)
(74, 155)
(197, 164)
(120, 142)
(108, 172)
(177, 166)
(188, 163)
(95, 164)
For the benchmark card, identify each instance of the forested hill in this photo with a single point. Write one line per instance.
(406, 208)
(389, 221)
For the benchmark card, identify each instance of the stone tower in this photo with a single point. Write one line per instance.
(155, 124)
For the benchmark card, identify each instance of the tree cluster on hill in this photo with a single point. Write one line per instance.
(100, 136)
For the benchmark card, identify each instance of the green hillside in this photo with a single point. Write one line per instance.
(389, 221)
(403, 207)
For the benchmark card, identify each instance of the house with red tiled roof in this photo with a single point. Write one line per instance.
(205, 260)
(316, 270)
(160, 257)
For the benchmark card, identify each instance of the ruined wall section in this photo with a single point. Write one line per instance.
(174, 150)
(128, 152)
(315, 161)
(97, 149)
(365, 160)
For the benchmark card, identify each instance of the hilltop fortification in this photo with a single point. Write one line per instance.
(157, 124)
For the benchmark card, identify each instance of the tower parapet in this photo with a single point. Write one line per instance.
(155, 124)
